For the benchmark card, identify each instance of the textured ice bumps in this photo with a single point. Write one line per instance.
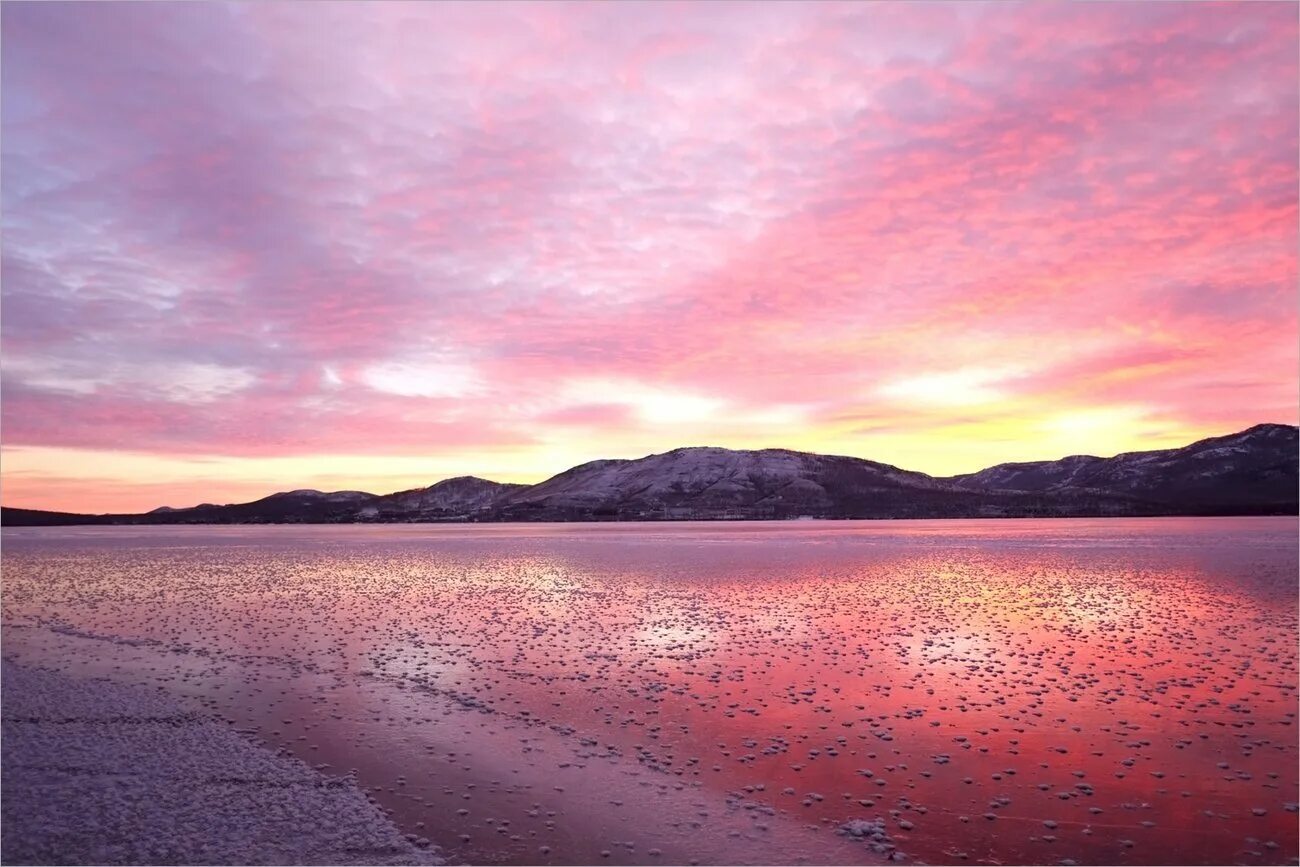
(100, 773)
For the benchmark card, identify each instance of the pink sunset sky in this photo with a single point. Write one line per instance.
(278, 245)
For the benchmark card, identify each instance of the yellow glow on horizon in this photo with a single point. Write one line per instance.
(85, 480)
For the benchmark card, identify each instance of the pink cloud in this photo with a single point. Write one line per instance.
(763, 204)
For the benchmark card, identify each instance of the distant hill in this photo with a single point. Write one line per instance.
(1246, 473)
(449, 499)
(1255, 466)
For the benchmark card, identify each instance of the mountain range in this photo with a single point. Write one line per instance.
(1247, 473)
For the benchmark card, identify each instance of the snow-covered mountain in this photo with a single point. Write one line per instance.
(300, 506)
(459, 497)
(717, 482)
(1257, 465)
(1251, 472)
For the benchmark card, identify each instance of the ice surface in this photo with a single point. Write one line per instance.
(101, 773)
(1116, 691)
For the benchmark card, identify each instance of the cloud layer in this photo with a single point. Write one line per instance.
(501, 238)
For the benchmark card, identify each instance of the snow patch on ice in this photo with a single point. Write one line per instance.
(101, 773)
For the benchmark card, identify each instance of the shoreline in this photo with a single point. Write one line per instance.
(108, 520)
(97, 772)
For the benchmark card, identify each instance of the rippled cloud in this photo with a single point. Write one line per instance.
(515, 236)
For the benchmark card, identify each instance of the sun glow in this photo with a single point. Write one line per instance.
(965, 387)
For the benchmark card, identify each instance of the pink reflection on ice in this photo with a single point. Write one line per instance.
(1012, 691)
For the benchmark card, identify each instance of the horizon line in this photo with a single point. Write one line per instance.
(651, 455)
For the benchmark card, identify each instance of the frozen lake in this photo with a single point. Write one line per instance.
(997, 692)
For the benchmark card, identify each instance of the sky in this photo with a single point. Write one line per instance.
(257, 247)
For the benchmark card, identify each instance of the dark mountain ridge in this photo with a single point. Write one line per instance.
(1250, 472)
(1257, 464)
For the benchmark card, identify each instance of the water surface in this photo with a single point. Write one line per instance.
(1000, 691)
